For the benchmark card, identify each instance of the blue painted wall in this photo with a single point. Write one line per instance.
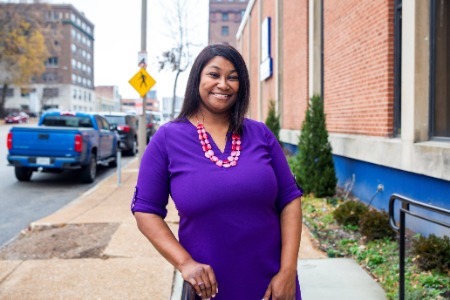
(368, 176)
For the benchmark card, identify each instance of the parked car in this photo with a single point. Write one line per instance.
(63, 141)
(20, 117)
(152, 125)
(126, 126)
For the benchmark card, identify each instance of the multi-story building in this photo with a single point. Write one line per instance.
(224, 19)
(107, 98)
(68, 80)
(151, 103)
(382, 68)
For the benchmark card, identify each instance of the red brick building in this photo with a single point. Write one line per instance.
(383, 70)
(68, 80)
(224, 19)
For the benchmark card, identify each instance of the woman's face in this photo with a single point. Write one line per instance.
(219, 85)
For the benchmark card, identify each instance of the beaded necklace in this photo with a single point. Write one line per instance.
(209, 153)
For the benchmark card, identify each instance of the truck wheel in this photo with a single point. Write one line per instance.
(89, 171)
(23, 174)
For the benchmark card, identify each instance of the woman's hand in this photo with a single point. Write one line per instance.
(201, 277)
(282, 286)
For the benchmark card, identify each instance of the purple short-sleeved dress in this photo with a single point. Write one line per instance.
(229, 217)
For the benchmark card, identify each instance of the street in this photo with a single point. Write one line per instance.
(24, 202)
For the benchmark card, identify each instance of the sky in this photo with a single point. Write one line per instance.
(117, 42)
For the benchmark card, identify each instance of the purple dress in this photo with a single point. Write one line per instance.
(229, 217)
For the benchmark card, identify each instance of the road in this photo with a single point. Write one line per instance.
(24, 202)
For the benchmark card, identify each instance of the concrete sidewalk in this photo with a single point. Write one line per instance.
(130, 268)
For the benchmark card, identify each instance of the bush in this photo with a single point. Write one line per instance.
(374, 225)
(432, 253)
(349, 212)
(316, 172)
(273, 120)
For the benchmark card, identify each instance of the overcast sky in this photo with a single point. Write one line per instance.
(118, 40)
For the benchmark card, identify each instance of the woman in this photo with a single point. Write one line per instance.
(239, 206)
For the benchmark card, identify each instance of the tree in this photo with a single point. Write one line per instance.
(23, 48)
(181, 26)
(315, 172)
(273, 120)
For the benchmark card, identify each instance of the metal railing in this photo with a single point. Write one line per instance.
(407, 203)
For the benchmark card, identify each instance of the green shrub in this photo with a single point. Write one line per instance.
(374, 225)
(273, 120)
(432, 253)
(349, 212)
(316, 172)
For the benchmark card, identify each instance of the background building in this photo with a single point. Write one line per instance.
(68, 81)
(167, 107)
(224, 19)
(151, 101)
(107, 98)
(383, 70)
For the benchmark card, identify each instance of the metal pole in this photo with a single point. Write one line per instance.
(402, 252)
(142, 141)
(119, 167)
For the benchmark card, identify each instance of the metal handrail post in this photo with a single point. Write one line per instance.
(402, 250)
(401, 228)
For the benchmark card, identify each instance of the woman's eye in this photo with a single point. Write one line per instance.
(234, 78)
(214, 75)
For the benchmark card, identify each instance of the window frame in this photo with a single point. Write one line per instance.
(432, 75)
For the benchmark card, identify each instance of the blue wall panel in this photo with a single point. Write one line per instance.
(367, 176)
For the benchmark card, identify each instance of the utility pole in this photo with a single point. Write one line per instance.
(142, 140)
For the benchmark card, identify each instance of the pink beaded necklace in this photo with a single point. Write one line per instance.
(209, 153)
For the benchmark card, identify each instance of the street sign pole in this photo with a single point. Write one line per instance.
(142, 141)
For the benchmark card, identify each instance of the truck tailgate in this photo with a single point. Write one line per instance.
(43, 141)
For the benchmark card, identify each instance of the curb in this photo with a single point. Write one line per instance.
(40, 225)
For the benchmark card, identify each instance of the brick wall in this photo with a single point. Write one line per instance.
(358, 73)
(295, 63)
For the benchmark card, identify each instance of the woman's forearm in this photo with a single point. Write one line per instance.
(155, 229)
(291, 230)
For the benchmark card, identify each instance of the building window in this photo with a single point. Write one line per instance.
(440, 70)
(50, 93)
(398, 68)
(52, 61)
(9, 92)
(225, 31)
(49, 77)
(225, 16)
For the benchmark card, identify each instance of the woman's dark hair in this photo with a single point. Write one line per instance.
(192, 98)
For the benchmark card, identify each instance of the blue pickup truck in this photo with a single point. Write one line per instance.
(63, 141)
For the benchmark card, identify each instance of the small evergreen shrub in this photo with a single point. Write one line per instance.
(349, 212)
(316, 172)
(432, 253)
(374, 225)
(273, 120)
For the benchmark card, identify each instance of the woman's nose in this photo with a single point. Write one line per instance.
(222, 83)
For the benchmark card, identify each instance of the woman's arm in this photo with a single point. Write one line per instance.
(200, 276)
(283, 285)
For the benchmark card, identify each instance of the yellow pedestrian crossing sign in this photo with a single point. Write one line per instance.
(142, 82)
